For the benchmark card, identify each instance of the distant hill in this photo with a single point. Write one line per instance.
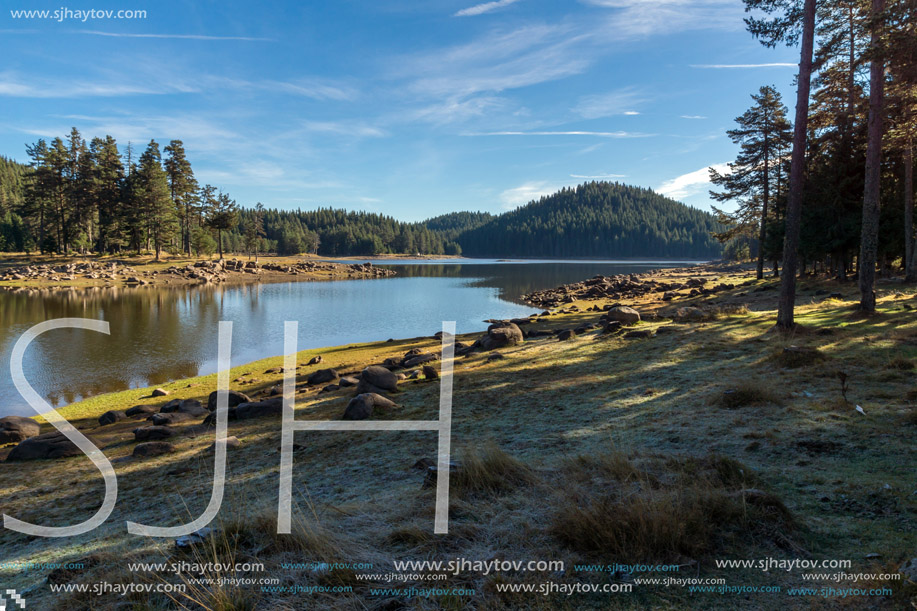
(597, 219)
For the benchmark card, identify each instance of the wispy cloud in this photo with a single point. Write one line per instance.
(484, 7)
(357, 130)
(598, 176)
(740, 66)
(693, 117)
(620, 102)
(691, 183)
(15, 87)
(644, 18)
(565, 133)
(172, 36)
(524, 193)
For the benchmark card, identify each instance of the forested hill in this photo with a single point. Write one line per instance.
(597, 219)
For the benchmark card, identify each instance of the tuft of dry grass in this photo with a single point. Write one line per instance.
(750, 392)
(901, 364)
(488, 470)
(794, 357)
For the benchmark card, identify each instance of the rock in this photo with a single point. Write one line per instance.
(348, 381)
(909, 570)
(495, 356)
(612, 326)
(420, 359)
(640, 334)
(259, 409)
(170, 418)
(623, 314)
(392, 363)
(315, 360)
(690, 314)
(49, 445)
(14, 429)
(153, 433)
(232, 443)
(432, 474)
(669, 295)
(500, 335)
(380, 377)
(361, 407)
(198, 536)
(141, 410)
(235, 398)
(185, 406)
(275, 390)
(430, 373)
(331, 388)
(152, 448)
(111, 416)
(160, 392)
(322, 376)
(566, 334)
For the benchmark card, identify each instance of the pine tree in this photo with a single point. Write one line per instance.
(183, 188)
(222, 214)
(153, 194)
(763, 135)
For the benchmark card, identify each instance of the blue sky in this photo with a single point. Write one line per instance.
(408, 108)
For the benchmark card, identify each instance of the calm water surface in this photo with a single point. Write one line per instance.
(160, 333)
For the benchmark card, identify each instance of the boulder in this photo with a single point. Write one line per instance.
(640, 334)
(565, 335)
(420, 359)
(380, 377)
(152, 448)
(322, 376)
(315, 360)
(170, 418)
(392, 363)
(623, 314)
(429, 372)
(361, 407)
(112, 416)
(49, 445)
(500, 335)
(160, 392)
(612, 326)
(185, 406)
(331, 388)
(235, 398)
(259, 409)
(14, 429)
(141, 410)
(153, 433)
(348, 381)
(495, 356)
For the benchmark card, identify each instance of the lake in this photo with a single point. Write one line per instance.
(160, 334)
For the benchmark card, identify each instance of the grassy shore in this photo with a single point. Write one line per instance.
(706, 441)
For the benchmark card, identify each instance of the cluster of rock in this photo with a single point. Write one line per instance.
(70, 271)
(620, 287)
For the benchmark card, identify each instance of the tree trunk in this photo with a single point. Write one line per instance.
(766, 196)
(869, 239)
(787, 300)
(910, 258)
(220, 240)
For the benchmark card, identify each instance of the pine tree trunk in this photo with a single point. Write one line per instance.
(766, 195)
(787, 300)
(869, 239)
(910, 256)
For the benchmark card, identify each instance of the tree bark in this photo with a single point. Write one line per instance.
(787, 299)
(766, 196)
(910, 257)
(869, 238)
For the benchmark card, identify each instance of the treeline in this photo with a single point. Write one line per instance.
(601, 220)
(834, 191)
(90, 196)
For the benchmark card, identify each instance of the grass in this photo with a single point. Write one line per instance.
(596, 449)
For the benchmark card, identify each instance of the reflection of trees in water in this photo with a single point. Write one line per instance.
(157, 334)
